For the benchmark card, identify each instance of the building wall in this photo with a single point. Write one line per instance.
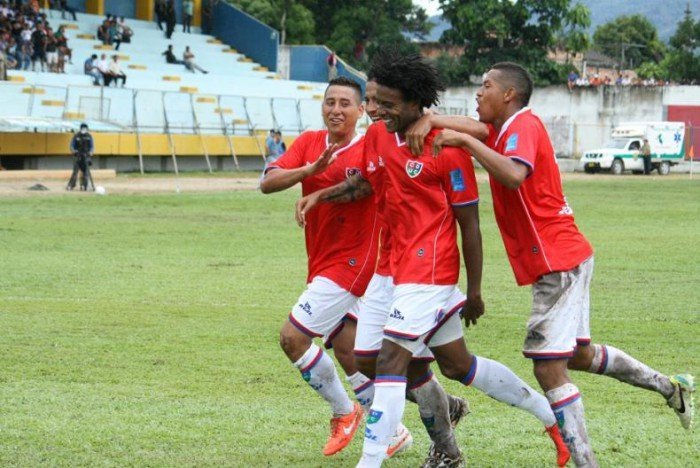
(125, 8)
(582, 119)
(309, 63)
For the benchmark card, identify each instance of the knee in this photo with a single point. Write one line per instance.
(293, 342)
(550, 374)
(345, 357)
(366, 365)
(455, 370)
(583, 358)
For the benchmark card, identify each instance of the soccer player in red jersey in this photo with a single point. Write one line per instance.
(341, 243)
(425, 199)
(546, 250)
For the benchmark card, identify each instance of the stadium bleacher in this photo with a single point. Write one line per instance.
(236, 97)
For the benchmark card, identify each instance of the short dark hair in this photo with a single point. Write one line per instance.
(518, 77)
(93, 56)
(416, 78)
(347, 82)
(83, 125)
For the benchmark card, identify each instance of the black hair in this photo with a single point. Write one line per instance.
(347, 82)
(416, 78)
(83, 125)
(518, 77)
(93, 56)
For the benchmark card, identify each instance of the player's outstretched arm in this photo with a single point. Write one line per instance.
(415, 136)
(468, 220)
(505, 170)
(351, 189)
(279, 179)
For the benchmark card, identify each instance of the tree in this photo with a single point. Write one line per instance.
(292, 19)
(355, 30)
(574, 36)
(522, 31)
(632, 39)
(683, 63)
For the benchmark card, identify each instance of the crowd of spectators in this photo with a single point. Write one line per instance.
(104, 72)
(27, 39)
(274, 146)
(114, 31)
(616, 79)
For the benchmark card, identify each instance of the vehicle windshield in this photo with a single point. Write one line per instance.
(617, 143)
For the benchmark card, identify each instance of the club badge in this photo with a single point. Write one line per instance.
(413, 168)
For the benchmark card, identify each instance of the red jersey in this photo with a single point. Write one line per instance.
(384, 262)
(420, 195)
(341, 239)
(536, 222)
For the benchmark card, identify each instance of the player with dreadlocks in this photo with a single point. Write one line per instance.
(424, 197)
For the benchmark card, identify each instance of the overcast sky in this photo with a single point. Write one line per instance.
(431, 6)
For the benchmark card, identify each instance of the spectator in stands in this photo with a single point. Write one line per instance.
(82, 148)
(65, 8)
(39, 46)
(571, 82)
(63, 49)
(187, 12)
(24, 55)
(170, 18)
(332, 62)
(159, 10)
(207, 9)
(269, 142)
(103, 67)
(90, 68)
(116, 72)
(126, 32)
(281, 146)
(115, 36)
(170, 57)
(188, 57)
(3, 67)
(51, 51)
(103, 31)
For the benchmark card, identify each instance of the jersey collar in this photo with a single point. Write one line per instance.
(510, 121)
(352, 142)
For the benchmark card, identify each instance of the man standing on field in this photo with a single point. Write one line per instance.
(341, 243)
(546, 250)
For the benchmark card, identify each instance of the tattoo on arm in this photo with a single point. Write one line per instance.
(348, 191)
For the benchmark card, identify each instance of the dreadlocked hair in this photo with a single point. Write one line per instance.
(416, 78)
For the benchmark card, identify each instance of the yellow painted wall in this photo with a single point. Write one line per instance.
(125, 144)
(197, 14)
(145, 10)
(95, 7)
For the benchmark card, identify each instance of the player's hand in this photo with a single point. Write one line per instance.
(303, 206)
(416, 133)
(473, 309)
(323, 161)
(447, 138)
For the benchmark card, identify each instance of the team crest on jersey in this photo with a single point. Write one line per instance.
(413, 168)
(351, 171)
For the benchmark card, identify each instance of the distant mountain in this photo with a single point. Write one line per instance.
(664, 15)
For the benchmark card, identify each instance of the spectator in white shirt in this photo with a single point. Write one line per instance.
(188, 57)
(115, 71)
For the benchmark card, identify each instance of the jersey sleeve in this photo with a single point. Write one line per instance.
(373, 165)
(520, 142)
(458, 177)
(293, 158)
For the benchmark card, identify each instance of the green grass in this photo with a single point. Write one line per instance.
(142, 331)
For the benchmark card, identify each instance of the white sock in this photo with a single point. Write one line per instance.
(615, 363)
(319, 372)
(363, 388)
(568, 408)
(434, 409)
(500, 383)
(383, 418)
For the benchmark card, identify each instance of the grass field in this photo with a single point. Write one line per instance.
(142, 331)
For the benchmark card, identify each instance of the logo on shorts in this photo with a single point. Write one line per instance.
(440, 315)
(397, 315)
(413, 168)
(306, 307)
(374, 416)
(351, 171)
(534, 335)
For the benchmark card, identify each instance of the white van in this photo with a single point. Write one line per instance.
(622, 152)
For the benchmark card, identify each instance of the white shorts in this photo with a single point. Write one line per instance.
(51, 57)
(322, 309)
(373, 313)
(559, 320)
(424, 315)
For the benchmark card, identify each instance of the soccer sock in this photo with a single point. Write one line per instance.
(615, 363)
(319, 372)
(434, 409)
(383, 418)
(500, 383)
(363, 388)
(568, 409)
